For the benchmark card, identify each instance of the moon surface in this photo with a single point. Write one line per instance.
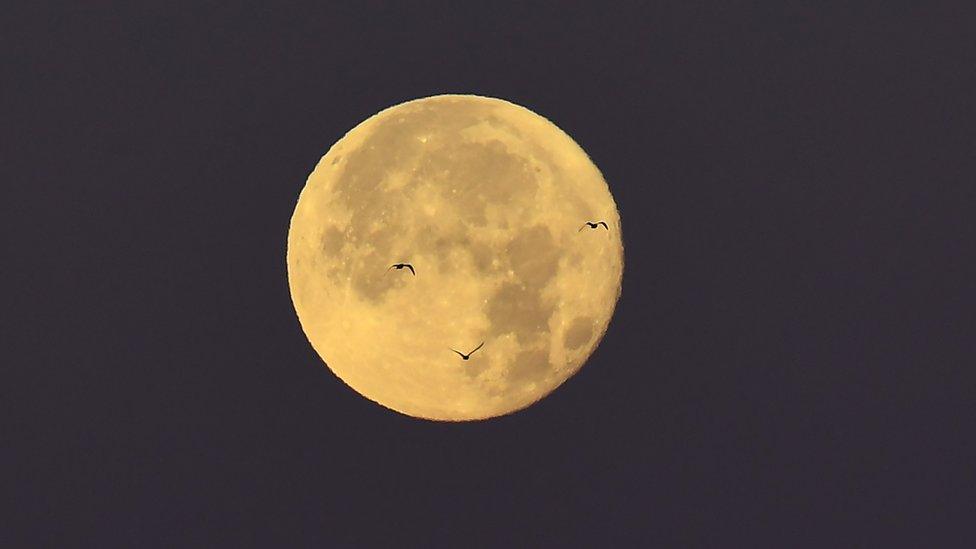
(485, 200)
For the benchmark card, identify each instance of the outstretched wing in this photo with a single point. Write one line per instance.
(478, 347)
(391, 267)
(409, 266)
(604, 225)
(460, 354)
(581, 227)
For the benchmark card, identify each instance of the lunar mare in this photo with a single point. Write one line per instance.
(484, 199)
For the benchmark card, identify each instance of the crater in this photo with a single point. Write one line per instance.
(518, 309)
(388, 150)
(580, 331)
(332, 241)
(370, 280)
(482, 256)
(476, 367)
(481, 174)
(529, 366)
(534, 256)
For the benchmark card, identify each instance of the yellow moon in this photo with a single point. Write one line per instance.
(487, 201)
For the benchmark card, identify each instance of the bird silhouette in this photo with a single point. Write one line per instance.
(399, 266)
(467, 356)
(593, 225)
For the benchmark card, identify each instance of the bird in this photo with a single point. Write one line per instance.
(467, 356)
(594, 225)
(399, 266)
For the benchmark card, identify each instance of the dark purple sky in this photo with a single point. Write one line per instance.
(790, 363)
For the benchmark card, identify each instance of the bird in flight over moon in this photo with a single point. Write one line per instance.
(399, 266)
(467, 356)
(593, 225)
(484, 193)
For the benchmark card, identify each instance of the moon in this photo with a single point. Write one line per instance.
(487, 201)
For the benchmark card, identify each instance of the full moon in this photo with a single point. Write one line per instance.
(484, 205)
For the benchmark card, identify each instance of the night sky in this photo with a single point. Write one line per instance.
(790, 363)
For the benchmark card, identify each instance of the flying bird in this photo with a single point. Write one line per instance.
(467, 356)
(593, 225)
(399, 266)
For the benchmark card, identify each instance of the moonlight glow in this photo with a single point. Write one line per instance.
(485, 200)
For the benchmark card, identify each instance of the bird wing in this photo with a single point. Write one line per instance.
(409, 266)
(458, 352)
(604, 225)
(391, 267)
(581, 227)
(478, 347)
